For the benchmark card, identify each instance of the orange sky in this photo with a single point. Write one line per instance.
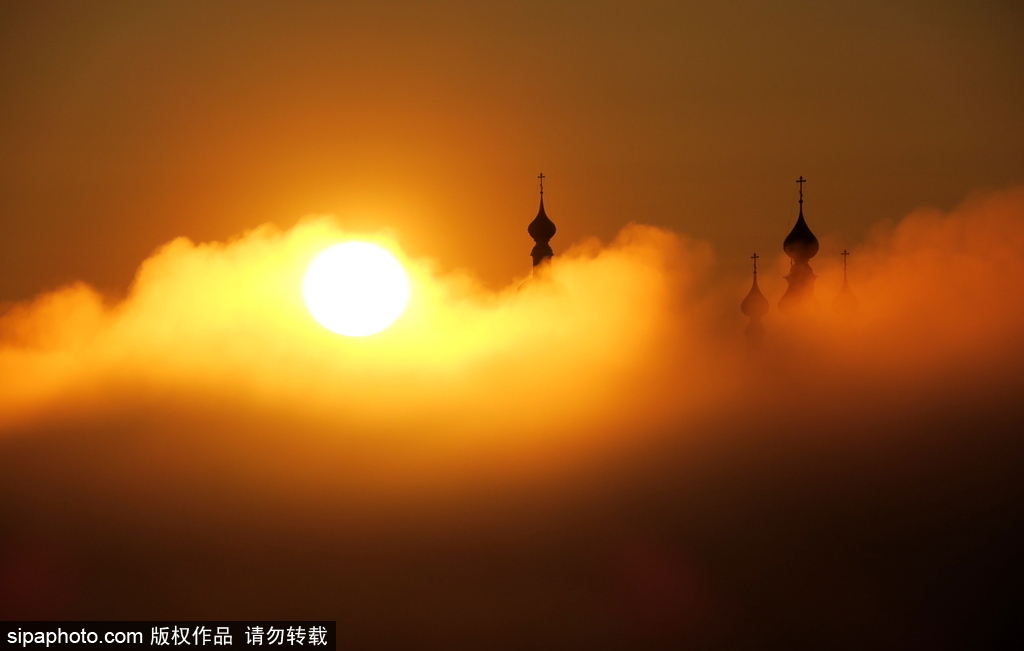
(594, 456)
(599, 440)
(127, 124)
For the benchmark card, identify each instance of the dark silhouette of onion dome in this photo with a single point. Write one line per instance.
(755, 306)
(800, 245)
(845, 303)
(541, 229)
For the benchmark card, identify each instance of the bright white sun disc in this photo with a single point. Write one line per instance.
(355, 289)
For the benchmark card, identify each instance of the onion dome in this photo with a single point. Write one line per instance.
(755, 305)
(541, 229)
(800, 244)
(845, 303)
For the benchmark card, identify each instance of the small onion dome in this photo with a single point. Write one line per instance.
(541, 229)
(755, 304)
(800, 244)
(845, 302)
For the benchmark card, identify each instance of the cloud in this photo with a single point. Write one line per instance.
(630, 335)
(209, 399)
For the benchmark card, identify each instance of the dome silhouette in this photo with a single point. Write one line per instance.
(541, 229)
(845, 303)
(801, 242)
(755, 304)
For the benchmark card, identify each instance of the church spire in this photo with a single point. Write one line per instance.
(541, 229)
(800, 245)
(801, 242)
(755, 306)
(845, 303)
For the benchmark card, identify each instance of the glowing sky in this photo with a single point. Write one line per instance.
(126, 124)
(593, 455)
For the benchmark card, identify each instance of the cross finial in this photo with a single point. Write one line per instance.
(541, 177)
(801, 181)
(844, 254)
(754, 258)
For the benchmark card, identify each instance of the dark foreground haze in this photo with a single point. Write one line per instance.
(593, 461)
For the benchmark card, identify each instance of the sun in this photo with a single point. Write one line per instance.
(355, 289)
